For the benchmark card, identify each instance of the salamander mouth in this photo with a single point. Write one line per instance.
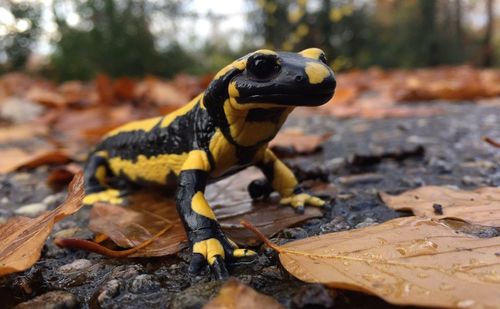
(290, 99)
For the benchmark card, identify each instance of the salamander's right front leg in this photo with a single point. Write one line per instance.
(208, 242)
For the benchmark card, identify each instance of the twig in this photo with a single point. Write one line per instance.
(491, 141)
(259, 235)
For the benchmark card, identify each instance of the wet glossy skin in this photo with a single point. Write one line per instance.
(223, 130)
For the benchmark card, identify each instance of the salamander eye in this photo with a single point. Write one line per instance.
(322, 58)
(263, 66)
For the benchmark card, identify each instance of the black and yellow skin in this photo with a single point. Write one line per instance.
(222, 131)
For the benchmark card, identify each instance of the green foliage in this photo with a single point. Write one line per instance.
(18, 44)
(114, 38)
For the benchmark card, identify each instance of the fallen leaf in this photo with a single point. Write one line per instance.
(405, 261)
(480, 206)
(294, 141)
(235, 294)
(150, 211)
(23, 238)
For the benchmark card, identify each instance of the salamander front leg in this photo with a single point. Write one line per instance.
(208, 242)
(282, 179)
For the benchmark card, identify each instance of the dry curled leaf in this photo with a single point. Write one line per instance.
(405, 261)
(480, 206)
(23, 238)
(235, 294)
(149, 212)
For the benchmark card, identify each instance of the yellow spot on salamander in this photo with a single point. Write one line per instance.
(209, 248)
(100, 174)
(196, 160)
(223, 152)
(107, 196)
(312, 53)
(284, 180)
(167, 120)
(154, 169)
(142, 125)
(233, 91)
(201, 207)
(238, 64)
(265, 52)
(316, 72)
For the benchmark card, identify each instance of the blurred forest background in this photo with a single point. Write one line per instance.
(76, 39)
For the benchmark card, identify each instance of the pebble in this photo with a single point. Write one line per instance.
(143, 283)
(76, 265)
(472, 181)
(337, 224)
(366, 222)
(295, 233)
(31, 210)
(108, 291)
(360, 179)
(312, 296)
(51, 300)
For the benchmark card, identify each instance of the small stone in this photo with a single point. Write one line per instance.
(438, 209)
(366, 222)
(126, 271)
(4, 200)
(108, 291)
(51, 300)
(31, 210)
(143, 283)
(337, 224)
(295, 233)
(76, 265)
(472, 181)
(360, 179)
(312, 296)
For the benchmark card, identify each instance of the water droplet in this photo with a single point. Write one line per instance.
(466, 303)
(418, 247)
(446, 287)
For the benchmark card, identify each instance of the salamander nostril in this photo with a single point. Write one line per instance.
(299, 78)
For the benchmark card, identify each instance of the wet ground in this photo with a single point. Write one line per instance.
(362, 158)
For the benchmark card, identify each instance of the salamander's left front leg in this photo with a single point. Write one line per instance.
(207, 240)
(283, 180)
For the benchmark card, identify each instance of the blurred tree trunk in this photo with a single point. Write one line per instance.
(487, 49)
(428, 12)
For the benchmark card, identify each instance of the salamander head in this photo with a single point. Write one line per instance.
(276, 79)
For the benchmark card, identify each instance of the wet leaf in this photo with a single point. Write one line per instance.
(235, 294)
(480, 206)
(23, 238)
(149, 212)
(405, 261)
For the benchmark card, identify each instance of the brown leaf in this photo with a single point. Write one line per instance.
(235, 294)
(480, 206)
(405, 261)
(149, 212)
(23, 238)
(299, 142)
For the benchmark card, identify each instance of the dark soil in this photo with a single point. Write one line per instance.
(361, 159)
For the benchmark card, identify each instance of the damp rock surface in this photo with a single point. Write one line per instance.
(361, 158)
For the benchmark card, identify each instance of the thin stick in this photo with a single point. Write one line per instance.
(491, 141)
(82, 244)
(259, 235)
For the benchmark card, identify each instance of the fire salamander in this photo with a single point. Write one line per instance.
(220, 132)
